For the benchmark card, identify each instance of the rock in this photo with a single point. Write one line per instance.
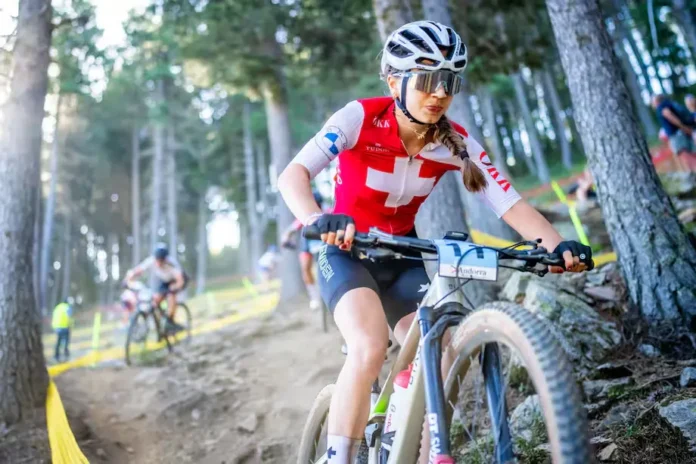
(130, 450)
(649, 351)
(275, 452)
(619, 414)
(101, 453)
(249, 423)
(601, 389)
(688, 377)
(599, 440)
(682, 415)
(608, 453)
(516, 286)
(585, 337)
(604, 293)
(595, 409)
(195, 414)
(523, 418)
(183, 407)
(688, 215)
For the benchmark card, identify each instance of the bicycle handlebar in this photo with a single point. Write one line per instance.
(391, 243)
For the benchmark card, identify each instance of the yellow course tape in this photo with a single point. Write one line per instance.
(64, 449)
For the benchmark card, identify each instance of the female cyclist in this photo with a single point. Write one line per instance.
(391, 152)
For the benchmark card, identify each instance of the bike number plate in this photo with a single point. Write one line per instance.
(474, 262)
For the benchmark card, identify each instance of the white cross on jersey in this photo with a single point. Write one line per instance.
(403, 184)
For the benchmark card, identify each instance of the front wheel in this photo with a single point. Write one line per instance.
(313, 445)
(527, 373)
(139, 329)
(183, 318)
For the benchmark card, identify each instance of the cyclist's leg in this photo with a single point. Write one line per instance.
(351, 293)
(306, 264)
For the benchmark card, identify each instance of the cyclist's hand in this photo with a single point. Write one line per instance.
(578, 257)
(336, 229)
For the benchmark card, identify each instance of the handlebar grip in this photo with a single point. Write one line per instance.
(311, 232)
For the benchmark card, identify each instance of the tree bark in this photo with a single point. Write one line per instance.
(47, 236)
(391, 14)
(264, 187)
(656, 257)
(202, 258)
(280, 141)
(135, 194)
(172, 217)
(23, 376)
(256, 235)
(554, 103)
(631, 80)
(67, 256)
(542, 170)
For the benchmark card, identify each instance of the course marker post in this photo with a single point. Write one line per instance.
(575, 219)
(96, 329)
(250, 287)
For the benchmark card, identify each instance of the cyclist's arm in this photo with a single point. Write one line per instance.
(671, 117)
(530, 224)
(339, 133)
(178, 280)
(138, 270)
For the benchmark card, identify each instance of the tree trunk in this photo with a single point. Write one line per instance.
(262, 168)
(256, 235)
(477, 213)
(135, 194)
(542, 170)
(23, 376)
(391, 14)
(172, 219)
(36, 250)
(515, 132)
(556, 110)
(111, 257)
(202, 252)
(157, 160)
(67, 256)
(47, 236)
(631, 80)
(685, 19)
(280, 141)
(623, 33)
(499, 157)
(656, 257)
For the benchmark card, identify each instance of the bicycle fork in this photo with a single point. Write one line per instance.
(436, 413)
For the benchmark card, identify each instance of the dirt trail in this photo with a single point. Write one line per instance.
(240, 395)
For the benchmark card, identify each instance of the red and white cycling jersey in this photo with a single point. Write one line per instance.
(377, 183)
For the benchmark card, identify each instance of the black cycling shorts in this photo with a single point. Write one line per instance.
(400, 284)
(164, 286)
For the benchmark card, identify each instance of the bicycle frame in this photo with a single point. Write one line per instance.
(425, 391)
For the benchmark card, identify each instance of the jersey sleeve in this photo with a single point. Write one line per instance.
(340, 133)
(144, 265)
(499, 195)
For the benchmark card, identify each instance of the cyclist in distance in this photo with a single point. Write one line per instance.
(391, 151)
(305, 256)
(171, 280)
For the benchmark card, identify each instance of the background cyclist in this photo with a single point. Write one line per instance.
(171, 280)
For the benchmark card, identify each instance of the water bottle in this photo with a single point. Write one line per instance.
(396, 399)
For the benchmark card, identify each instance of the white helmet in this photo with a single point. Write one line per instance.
(418, 45)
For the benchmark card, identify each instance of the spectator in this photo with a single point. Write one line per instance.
(690, 102)
(61, 323)
(678, 124)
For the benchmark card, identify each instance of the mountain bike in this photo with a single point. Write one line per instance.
(505, 356)
(146, 329)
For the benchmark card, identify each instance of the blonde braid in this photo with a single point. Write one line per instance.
(474, 179)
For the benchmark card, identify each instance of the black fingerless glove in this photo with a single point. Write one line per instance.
(577, 249)
(333, 222)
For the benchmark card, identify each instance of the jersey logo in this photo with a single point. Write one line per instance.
(331, 141)
(402, 185)
(493, 171)
(381, 123)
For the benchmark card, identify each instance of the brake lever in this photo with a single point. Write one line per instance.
(378, 254)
